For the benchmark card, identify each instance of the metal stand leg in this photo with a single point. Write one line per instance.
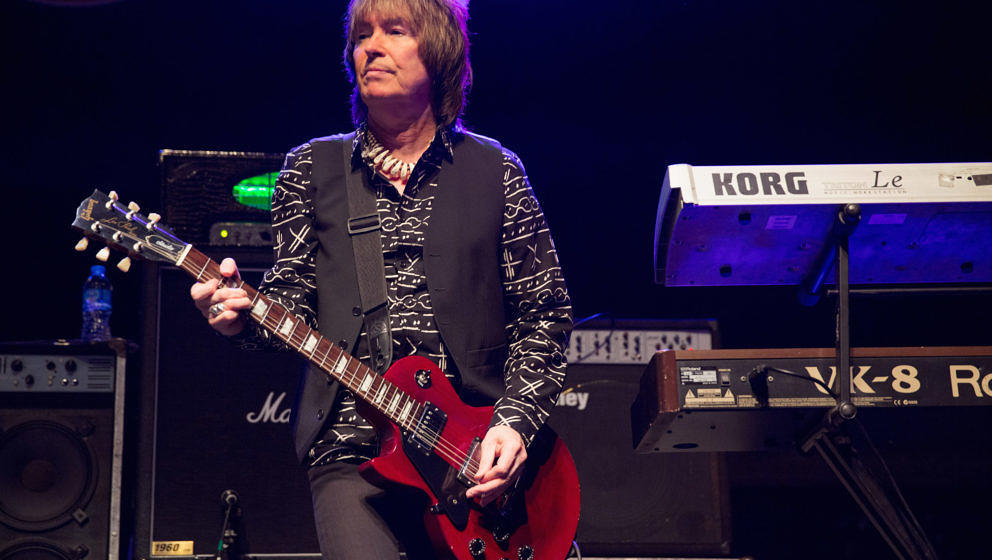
(849, 453)
(841, 440)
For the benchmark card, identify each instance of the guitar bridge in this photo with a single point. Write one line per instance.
(464, 476)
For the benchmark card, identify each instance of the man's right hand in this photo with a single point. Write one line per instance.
(222, 306)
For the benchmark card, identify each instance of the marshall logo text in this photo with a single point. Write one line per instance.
(270, 411)
(728, 184)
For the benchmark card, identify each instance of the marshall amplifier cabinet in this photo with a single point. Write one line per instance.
(61, 449)
(215, 418)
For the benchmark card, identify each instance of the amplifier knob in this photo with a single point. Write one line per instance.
(70, 365)
(16, 366)
(28, 380)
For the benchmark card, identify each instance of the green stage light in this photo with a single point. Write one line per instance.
(256, 191)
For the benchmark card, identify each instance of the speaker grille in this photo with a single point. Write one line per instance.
(40, 550)
(47, 473)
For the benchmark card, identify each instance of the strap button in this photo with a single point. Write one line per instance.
(356, 311)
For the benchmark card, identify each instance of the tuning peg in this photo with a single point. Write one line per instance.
(117, 236)
(113, 198)
(153, 219)
(133, 209)
(125, 264)
(103, 254)
(137, 247)
(83, 244)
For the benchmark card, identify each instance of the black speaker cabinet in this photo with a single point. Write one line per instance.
(61, 439)
(215, 418)
(655, 504)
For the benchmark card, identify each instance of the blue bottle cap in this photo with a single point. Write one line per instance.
(98, 270)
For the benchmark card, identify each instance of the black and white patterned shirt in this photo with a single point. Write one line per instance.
(537, 302)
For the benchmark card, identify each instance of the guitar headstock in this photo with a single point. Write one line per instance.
(122, 227)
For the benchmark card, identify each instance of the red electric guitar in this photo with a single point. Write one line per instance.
(428, 438)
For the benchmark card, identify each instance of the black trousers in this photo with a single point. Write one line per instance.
(357, 520)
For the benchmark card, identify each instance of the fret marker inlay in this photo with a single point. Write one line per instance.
(341, 364)
(310, 344)
(259, 309)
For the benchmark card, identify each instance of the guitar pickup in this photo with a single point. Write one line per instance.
(427, 432)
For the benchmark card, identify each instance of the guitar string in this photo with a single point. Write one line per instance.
(444, 448)
(350, 375)
(354, 370)
(452, 452)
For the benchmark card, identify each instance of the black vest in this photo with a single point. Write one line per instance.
(462, 262)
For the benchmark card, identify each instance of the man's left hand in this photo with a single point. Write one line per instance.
(501, 456)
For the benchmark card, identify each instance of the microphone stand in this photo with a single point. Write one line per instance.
(230, 546)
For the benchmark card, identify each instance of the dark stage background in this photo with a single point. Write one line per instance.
(597, 98)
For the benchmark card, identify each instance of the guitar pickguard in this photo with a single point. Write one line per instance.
(441, 478)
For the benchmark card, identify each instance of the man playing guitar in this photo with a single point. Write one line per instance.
(472, 280)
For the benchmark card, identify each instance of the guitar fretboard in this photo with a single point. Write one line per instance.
(362, 381)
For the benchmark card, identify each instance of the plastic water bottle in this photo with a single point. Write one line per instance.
(96, 305)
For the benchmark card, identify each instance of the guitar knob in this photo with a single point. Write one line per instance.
(476, 547)
(525, 552)
(125, 264)
(83, 244)
(103, 254)
(501, 536)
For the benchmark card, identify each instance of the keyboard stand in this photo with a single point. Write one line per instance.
(839, 438)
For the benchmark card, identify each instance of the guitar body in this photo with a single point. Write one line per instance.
(535, 520)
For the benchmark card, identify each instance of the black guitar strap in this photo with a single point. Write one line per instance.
(364, 228)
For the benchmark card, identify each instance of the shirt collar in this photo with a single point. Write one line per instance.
(442, 147)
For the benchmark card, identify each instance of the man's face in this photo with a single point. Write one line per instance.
(387, 62)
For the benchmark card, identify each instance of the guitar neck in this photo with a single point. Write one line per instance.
(361, 380)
